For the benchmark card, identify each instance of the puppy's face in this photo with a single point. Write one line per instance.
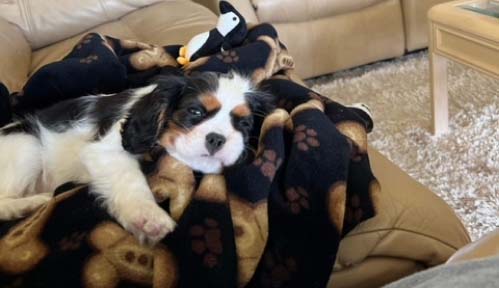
(208, 126)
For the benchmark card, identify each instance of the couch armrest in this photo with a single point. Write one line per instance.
(412, 225)
(487, 246)
(243, 6)
(15, 56)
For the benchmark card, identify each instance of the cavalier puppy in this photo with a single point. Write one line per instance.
(203, 121)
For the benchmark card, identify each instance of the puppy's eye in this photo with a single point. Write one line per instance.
(234, 19)
(194, 111)
(245, 124)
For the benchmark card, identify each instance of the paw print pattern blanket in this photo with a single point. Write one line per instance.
(276, 221)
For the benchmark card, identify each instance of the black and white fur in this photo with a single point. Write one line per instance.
(99, 140)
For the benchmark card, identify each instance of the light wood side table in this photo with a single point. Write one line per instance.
(464, 36)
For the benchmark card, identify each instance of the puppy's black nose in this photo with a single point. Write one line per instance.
(214, 142)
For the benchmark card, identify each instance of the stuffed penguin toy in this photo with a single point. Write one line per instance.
(231, 31)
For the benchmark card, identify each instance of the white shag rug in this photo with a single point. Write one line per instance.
(462, 166)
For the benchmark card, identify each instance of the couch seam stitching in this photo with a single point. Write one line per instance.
(26, 14)
(135, 35)
(386, 256)
(403, 230)
(103, 6)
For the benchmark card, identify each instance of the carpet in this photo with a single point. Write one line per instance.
(461, 166)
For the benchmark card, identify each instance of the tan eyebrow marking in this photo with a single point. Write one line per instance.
(241, 111)
(210, 102)
(167, 139)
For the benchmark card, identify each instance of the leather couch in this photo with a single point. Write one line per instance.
(329, 35)
(486, 246)
(413, 230)
(475, 265)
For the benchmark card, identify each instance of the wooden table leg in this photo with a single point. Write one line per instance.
(440, 102)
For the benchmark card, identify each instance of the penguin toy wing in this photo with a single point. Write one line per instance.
(205, 43)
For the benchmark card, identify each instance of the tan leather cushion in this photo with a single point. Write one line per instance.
(278, 11)
(487, 246)
(416, 22)
(412, 224)
(46, 21)
(374, 272)
(15, 56)
(344, 41)
(169, 22)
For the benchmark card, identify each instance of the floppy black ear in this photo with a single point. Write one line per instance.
(5, 106)
(147, 116)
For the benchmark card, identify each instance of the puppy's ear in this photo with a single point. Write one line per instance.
(261, 101)
(5, 106)
(147, 116)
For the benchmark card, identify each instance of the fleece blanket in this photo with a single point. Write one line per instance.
(275, 221)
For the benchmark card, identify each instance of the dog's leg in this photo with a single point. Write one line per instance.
(117, 179)
(21, 167)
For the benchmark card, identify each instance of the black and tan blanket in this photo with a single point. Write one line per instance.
(275, 221)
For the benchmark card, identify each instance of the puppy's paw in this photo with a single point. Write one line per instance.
(146, 220)
(40, 199)
(11, 209)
